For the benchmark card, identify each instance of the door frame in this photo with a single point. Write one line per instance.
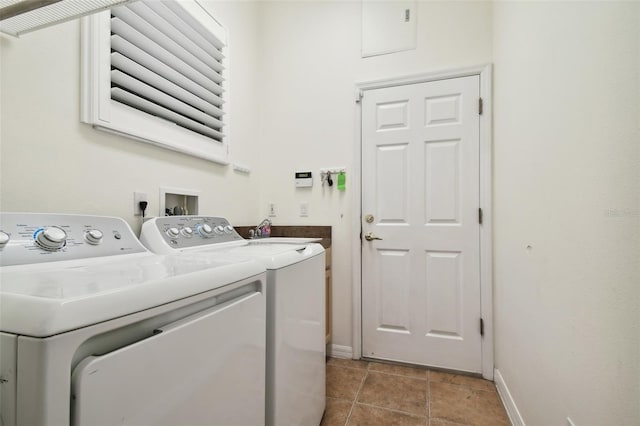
(486, 228)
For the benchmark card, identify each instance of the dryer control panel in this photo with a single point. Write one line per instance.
(28, 238)
(179, 232)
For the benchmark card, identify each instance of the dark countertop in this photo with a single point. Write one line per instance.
(323, 232)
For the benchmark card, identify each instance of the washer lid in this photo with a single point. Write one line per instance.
(47, 299)
(271, 255)
(285, 240)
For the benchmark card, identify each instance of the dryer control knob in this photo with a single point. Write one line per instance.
(4, 238)
(187, 232)
(228, 229)
(204, 230)
(51, 238)
(173, 232)
(93, 236)
(218, 229)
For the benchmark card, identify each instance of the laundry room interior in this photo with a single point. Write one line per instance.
(559, 158)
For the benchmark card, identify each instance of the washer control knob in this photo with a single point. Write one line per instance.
(51, 238)
(228, 229)
(173, 232)
(93, 236)
(204, 230)
(218, 229)
(187, 232)
(4, 238)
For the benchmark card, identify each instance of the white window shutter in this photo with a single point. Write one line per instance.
(158, 75)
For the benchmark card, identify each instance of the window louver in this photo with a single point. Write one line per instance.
(166, 63)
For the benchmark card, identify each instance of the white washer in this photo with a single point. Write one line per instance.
(295, 307)
(96, 330)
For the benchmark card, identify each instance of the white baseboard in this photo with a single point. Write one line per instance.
(507, 400)
(338, 351)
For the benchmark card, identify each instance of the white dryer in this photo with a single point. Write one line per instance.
(295, 307)
(96, 330)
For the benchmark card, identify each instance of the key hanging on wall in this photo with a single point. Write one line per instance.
(335, 174)
(342, 179)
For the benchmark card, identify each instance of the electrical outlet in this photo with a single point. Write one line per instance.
(304, 209)
(137, 197)
(272, 209)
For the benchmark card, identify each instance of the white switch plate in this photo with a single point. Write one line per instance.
(137, 197)
(304, 209)
(272, 209)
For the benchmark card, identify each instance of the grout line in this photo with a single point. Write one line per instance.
(357, 395)
(450, 422)
(346, 366)
(468, 386)
(338, 399)
(398, 375)
(350, 368)
(390, 409)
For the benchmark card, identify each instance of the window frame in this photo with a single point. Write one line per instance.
(103, 113)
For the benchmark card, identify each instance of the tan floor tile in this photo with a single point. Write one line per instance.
(466, 405)
(400, 393)
(336, 412)
(401, 370)
(363, 415)
(459, 379)
(343, 382)
(351, 363)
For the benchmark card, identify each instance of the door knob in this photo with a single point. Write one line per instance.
(370, 237)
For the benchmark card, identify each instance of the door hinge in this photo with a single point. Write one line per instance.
(480, 106)
(481, 327)
(359, 96)
(480, 216)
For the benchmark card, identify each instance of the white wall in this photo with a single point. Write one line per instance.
(294, 66)
(567, 184)
(567, 84)
(51, 162)
(310, 63)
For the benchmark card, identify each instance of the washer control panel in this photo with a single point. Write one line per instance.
(28, 238)
(191, 231)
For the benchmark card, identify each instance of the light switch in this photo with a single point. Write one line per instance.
(304, 209)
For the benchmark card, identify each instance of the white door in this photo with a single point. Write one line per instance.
(420, 197)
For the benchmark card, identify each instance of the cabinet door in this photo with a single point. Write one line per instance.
(8, 350)
(328, 304)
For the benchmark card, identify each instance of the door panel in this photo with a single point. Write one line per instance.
(420, 181)
(444, 291)
(181, 374)
(442, 181)
(442, 110)
(393, 267)
(393, 189)
(393, 115)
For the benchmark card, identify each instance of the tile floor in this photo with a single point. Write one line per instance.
(361, 393)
